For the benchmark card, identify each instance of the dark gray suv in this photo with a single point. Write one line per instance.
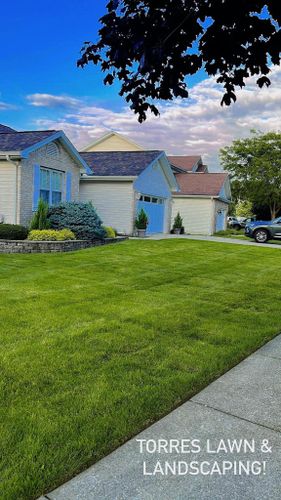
(262, 231)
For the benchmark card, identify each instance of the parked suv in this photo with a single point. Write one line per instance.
(262, 231)
(234, 223)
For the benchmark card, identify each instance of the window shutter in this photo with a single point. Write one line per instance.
(36, 186)
(68, 186)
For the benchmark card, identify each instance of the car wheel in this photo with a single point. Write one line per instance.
(237, 227)
(261, 236)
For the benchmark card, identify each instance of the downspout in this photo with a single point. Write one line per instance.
(17, 165)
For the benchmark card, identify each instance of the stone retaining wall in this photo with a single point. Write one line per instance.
(26, 246)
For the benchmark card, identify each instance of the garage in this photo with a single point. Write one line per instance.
(154, 208)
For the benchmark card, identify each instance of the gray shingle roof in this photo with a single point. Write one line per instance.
(5, 130)
(120, 163)
(18, 141)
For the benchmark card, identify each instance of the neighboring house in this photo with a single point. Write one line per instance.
(123, 182)
(112, 141)
(36, 164)
(187, 164)
(202, 201)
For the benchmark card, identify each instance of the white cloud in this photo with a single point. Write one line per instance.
(198, 125)
(52, 101)
(5, 105)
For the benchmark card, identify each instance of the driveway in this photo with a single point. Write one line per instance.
(217, 239)
(242, 405)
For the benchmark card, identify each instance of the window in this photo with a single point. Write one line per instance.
(50, 186)
(151, 199)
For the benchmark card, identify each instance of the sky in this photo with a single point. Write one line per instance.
(41, 88)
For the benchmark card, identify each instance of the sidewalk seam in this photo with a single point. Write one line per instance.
(235, 416)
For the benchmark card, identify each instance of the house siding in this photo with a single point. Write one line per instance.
(197, 214)
(63, 162)
(114, 202)
(114, 143)
(8, 180)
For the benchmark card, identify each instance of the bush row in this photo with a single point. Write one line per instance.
(69, 220)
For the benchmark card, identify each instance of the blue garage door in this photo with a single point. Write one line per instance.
(155, 210)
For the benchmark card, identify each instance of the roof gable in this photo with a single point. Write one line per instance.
(119, 163)
(112, 141)
(187, 163)
(5, 130)
(201, 184)
(24, 143)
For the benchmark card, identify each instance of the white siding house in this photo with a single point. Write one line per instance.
(113, 200)
(123, 182)
(36, 164)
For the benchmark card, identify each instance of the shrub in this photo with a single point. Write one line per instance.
(141, 222)
(177, 222)
(81, 218)
(51, 235)
(39, 219)
(230, 232)
(110, 232)
(13, 232)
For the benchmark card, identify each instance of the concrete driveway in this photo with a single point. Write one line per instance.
(218, 239)
(243, 407)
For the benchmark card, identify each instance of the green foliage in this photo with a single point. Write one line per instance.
(141, 222)
(81, 218)
(230, 232)
(255, 165)
(178, 221)
(40, 217)
(51, 235)
(110, 232)
(154, 59)
(13, 232)
(244, 208)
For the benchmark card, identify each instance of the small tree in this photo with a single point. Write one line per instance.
(40, 218)
(178, 222)
(141, 222)
(81, 218)
(244, 208)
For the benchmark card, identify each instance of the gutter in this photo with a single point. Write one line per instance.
(17, 165)
(104, 178)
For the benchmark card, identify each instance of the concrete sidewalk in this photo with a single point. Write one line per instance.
(218, 239)
(243, 404)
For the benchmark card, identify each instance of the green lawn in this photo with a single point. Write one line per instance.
(97, 344)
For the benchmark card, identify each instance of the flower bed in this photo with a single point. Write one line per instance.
(28, 246)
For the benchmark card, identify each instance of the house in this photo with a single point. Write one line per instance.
(202, 201)
(187, 164)
(120, 183)
(202, 198)
(36, 164)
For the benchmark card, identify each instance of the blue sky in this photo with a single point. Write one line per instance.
(41, 87)
(41, 54)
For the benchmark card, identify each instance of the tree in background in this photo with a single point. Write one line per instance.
(151, 46)
(244, 208)
(255, 165)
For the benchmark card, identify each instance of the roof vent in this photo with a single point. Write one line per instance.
(52, 150)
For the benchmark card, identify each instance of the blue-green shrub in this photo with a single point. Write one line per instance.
(81, 218)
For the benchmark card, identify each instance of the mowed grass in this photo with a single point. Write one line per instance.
(98, 344)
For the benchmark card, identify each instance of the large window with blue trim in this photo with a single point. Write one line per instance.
(50, 185)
